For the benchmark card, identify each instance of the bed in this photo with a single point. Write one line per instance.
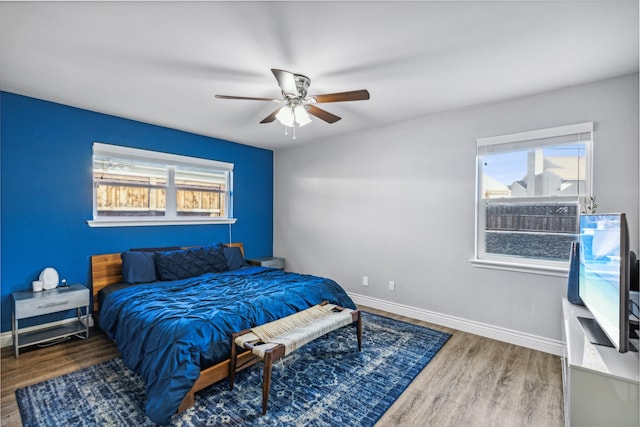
(175, 331)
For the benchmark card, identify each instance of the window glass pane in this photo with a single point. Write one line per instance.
(201, 192)
(541, 230)
(129, 188)
(535, 172)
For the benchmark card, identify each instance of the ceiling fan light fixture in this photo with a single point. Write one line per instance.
(285, 116)
(289, 115)
(301, 115)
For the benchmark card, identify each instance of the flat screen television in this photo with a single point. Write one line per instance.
(604, 279)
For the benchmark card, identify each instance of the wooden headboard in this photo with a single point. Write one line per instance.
(106, 269)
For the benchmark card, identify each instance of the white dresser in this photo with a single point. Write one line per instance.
(601, 385)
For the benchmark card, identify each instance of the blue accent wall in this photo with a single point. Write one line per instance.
(46, 192)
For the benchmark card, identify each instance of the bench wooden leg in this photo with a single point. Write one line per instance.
(270, 357)
(266, 381)
(357, 318)
(233, 359)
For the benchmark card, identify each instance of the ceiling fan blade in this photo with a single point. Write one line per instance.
(246, 98)
(286, 81)
(322, 114)
(354, 95)
(271, 117)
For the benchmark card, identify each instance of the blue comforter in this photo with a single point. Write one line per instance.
(168, 331)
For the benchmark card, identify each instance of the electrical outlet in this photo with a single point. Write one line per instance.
(392, 285)
(365, 280)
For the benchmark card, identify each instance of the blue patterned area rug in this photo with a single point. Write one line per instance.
(325, 383)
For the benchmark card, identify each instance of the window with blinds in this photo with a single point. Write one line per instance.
(530, 187)
(148, 187)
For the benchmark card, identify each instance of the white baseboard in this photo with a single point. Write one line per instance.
(494, 332)
(6, 340)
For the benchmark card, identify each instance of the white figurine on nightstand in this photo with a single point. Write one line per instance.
(49, 278)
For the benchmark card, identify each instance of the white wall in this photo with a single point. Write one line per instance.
(397, 203)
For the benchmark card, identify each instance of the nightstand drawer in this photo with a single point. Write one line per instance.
(51, 301)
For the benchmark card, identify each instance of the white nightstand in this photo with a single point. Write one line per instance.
(30, 304)
(269, 261)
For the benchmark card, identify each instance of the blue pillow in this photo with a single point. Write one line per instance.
(176, 265)
(234, 258)
(138, 267)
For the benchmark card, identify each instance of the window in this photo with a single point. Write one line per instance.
(140, 187)
(529, 189)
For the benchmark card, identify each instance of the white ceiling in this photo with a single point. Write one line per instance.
(162, 62)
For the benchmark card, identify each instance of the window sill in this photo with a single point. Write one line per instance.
(157, 222)
(546, 270)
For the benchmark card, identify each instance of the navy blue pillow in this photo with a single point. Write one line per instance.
(138, 267)
(234, 258)
(176, 265)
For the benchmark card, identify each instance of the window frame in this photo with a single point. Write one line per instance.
(529, 265)
(171, 161)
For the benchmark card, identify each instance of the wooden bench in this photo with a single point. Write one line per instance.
(274, 340)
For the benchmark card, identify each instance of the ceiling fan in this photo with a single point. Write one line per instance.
(297, 105)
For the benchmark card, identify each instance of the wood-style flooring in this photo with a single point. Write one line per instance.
(473, 381)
